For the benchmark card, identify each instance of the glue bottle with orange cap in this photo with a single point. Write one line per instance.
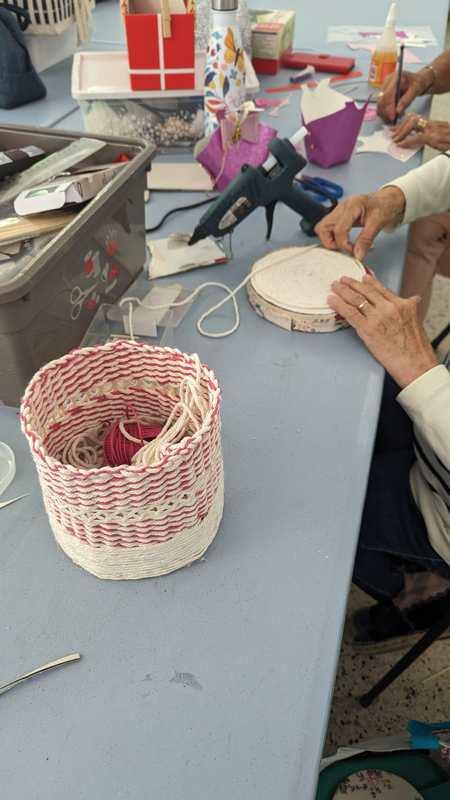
(384, 58)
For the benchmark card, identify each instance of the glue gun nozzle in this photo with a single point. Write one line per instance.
(198, 235)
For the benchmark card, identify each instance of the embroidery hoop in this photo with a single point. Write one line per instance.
(293, 295)
(361, 785)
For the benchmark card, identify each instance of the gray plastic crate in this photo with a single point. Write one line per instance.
(47, 304)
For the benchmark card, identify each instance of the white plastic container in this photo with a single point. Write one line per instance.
(46, 49)
(167, 119)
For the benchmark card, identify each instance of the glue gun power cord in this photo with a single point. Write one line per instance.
(175, 210)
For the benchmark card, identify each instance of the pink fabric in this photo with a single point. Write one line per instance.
(223, 158)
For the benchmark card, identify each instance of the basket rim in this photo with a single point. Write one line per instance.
(174, 452)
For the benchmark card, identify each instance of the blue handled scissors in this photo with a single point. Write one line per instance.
(321, 188)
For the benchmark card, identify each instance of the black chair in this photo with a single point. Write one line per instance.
(432, 634)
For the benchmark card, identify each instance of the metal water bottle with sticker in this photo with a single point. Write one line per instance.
(225, 64)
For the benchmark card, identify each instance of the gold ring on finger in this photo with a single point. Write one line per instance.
(362, 305)
(421, 124)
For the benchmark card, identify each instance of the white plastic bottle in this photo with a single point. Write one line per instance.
(225, 65)
(384, 58)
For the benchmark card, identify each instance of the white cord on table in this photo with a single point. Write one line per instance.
(231, 295)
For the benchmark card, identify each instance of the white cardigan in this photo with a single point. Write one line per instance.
(427, 399)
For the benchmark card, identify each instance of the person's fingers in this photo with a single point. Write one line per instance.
(379, 298)
(346, 311)
(387, 111)
(407, 98)
(415, 140)
(386, 100)
(405, 127)
(326, 235)
(351, 214)
(372, 226)
(349, 291)
(341, 234)
(383, 291)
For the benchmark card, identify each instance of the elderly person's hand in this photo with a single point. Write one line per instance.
(388, 325)
(371, 212)
(412, 85)
(415, 131)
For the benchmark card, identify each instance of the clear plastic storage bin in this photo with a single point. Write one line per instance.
(166, 119)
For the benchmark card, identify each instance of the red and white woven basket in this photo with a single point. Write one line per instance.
(127, 521)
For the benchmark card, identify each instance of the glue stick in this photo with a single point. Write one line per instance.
(384, 58)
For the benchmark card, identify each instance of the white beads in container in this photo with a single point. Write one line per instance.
(165, 127)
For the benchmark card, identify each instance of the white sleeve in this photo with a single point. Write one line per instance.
(427, 401)
(426, 189)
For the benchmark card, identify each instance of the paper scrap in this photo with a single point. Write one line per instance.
(146, 320)
(274, 105)
(349, 76)
(381, 142)
(276, 109)
(285, 87)
(412, 36)
(267, 102)
(174, 254)
(370, 114)
(321, 102)
(179, 177)
(409, 57)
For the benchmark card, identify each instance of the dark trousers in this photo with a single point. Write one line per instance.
(393, 537)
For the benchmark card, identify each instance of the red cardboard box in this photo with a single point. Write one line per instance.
(156, 62)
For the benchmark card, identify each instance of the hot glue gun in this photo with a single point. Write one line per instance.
(272, 182)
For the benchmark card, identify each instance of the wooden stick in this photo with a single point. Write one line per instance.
(15, 229)
(165, 18)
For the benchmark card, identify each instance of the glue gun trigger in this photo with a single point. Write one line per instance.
(270, 210)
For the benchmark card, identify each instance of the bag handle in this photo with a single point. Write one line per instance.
(23, 17)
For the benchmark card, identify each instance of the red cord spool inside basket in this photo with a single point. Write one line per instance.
(125, 438)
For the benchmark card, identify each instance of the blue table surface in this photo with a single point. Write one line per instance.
(215, 680)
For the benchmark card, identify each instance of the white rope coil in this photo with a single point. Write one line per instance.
(279, 258)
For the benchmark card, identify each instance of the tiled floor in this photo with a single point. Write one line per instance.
(412, 695)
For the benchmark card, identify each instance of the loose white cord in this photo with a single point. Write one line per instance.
(231, 295)
(85, 450)
(189, 412)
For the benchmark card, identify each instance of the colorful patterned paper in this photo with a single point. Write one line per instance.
(224, 75)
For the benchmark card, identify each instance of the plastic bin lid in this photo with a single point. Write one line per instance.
(38, 256)
(105, 76)
(7, 466)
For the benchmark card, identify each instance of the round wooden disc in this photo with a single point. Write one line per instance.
(290, 287)
(369, 783)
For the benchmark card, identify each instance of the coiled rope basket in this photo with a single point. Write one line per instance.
(133, 521)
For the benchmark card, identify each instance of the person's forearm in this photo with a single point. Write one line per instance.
(435, 78)
(426, 189)
(427, 401)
